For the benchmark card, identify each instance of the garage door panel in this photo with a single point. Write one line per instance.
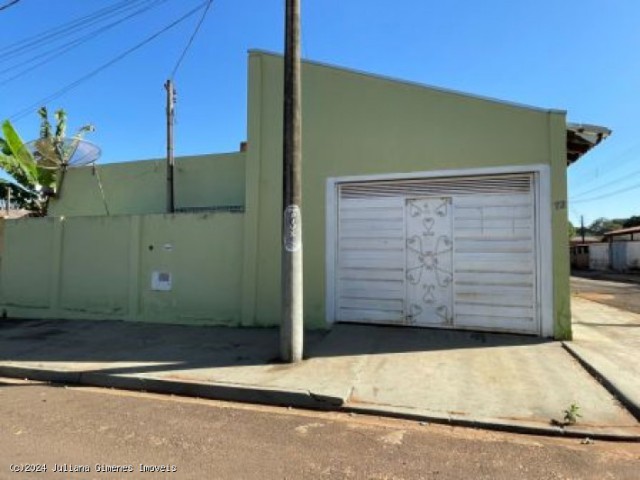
(481, 279)
(494, 311)
(495, 257)
(374, 287)
(474, 201)
(370, 227)
(375, 213)
(394, 243)
(497, 324)
(493, 213)
(523, 299)
(496, 246)
(371, 293)
(494, 267)
(372, 274)
(481, 224)
(504, 288)
(497, 233)
(369, 316)
(493, 237)
(380, 304)
(371, 260)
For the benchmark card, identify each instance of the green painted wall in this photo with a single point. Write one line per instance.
(140, 187)
(226, 267)
(354, 124)
(100, 267)
(26, 279)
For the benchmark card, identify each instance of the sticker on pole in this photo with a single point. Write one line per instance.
(292, 230)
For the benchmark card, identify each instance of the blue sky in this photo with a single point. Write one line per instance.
(579, 56)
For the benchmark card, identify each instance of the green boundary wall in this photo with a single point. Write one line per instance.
(81, 264)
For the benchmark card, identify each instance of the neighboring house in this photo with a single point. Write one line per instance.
(623, 235)
(618, 250)
(621, 252)
(421, 207)
(579, 250)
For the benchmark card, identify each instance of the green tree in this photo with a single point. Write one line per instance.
(633, 221)
(602, 225)
(571, 230)
(34, 173)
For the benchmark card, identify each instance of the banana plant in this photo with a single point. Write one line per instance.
(35, 175)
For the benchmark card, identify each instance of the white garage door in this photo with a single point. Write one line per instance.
(448, 252)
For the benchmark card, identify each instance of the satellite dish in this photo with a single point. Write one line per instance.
(60, 154)
(54, 154)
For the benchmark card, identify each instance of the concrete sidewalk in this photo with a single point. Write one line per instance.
(607, 342)
(497, 381)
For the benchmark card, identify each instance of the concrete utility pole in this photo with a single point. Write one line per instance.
(171, 96)
(291, 327)
(582, 227)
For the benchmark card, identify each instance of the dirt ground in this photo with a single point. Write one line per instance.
(624, 295)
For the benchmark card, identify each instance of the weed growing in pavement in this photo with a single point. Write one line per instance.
(572, 414)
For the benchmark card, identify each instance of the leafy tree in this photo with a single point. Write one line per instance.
(633, 221)
(571, 230)
(603, 225)
(34, 176)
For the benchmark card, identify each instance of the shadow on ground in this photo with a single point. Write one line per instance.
(194, 347)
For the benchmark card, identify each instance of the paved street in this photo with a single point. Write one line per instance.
(42, 424)
(624, 295)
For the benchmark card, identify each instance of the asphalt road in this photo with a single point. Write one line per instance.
(615, 294)
(202, 439)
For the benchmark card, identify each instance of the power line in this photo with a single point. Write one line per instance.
(628, 176)
(56, 52)
(606, 195)
(81, 23)
(193, 35)
(22, 113)
(10, 4)
(616, 164)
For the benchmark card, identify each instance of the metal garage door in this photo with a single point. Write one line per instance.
(446, 252)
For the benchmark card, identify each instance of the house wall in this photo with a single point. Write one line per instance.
(355, 124)
(625, 256)
(99, 267)
(140, 187)
(619, 256)
(599, 256)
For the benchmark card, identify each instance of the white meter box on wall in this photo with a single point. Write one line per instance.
(161, 281)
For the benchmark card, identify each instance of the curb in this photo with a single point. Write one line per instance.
(214, 391)
(291, 398)
(495, 425)
(630, 405)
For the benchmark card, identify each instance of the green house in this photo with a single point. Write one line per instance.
(421, 207)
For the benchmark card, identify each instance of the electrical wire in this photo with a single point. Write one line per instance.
(55, 53)
(43, 101)
(10, 4)
(190, 42)
(628, 176)
(606, 195)
(51, 35)
(616, 164)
